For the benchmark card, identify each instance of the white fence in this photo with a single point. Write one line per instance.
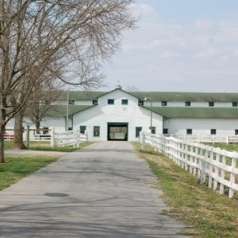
(68, 138)
(55, 139)
(216, 167)
(209, 139)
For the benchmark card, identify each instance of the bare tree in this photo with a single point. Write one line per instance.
(35, 33)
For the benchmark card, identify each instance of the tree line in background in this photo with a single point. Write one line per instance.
(44, 43)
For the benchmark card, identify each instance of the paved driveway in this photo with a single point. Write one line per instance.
(104, 191)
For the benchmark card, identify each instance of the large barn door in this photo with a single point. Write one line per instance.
(117, 131)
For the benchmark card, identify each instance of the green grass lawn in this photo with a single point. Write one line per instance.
(229, 147)
(45, 146)
(16, 168)
(212, 215)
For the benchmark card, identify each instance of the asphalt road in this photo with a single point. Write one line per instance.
(103, 191)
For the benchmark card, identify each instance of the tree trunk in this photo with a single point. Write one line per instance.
(37, 125)
(18, 131)
(2, 128)
(2, 132)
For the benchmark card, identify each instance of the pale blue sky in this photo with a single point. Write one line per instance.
(187, 10)
(179, 45)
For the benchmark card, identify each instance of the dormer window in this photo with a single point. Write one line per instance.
(71, 102)
(189, 131)
(211, 104)
(95, 102)
(124, 101)
(188, 104)
(213, 132)
(110, 102)
(164, 103)
(234, 104)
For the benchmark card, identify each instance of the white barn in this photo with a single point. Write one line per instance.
(121, 115)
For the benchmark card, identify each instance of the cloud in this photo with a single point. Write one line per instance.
(163, 55)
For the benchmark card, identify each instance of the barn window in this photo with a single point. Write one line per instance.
(234, 104)
(153, 129)
(95, 102)
(188, 104)
(110, 101)
(213, 131)
(83, 129)
(141, 102)
(164, 103)
(71, 102)
(211, 104)
(124, 101)
(189, 131)
(96, 131)
(165, 131)
(236, 132)
(138, 130)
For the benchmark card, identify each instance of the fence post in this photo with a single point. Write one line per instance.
(142, 140)
(78, 138)
(232, 179)
(28, 136)
(52, 137)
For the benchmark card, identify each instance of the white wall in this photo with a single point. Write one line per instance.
(193, 104)
(103, 113)
(224, 127)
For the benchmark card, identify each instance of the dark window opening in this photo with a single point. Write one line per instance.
(117, 131)
(124, 101)
(164, 103)
(96, 131)
(234, 104)
(140, 102)
(236, 132)
(83, 129)
(213, 131)
(71, 102)
(211, 104)
(95, 102)
(110, 101)
(153, 130)
(138, 130)
(189, 131)
(165, 131)
(187, 104)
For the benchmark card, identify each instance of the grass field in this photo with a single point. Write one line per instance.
(212, 215)
(229, 147)
(16, 168)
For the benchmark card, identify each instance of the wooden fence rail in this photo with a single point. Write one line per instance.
(209, 139)
(213, 166)
(68, 138)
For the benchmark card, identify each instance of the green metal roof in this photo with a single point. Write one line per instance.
(159, 96)
(185, 112)
(81, 95)
(57, 111)
(188, 96)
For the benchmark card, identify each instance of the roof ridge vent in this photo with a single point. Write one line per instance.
(118, 86)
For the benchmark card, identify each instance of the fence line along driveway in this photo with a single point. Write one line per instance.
(102, 192)
(217, 167)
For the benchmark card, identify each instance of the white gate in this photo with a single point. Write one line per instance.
(68, 138)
